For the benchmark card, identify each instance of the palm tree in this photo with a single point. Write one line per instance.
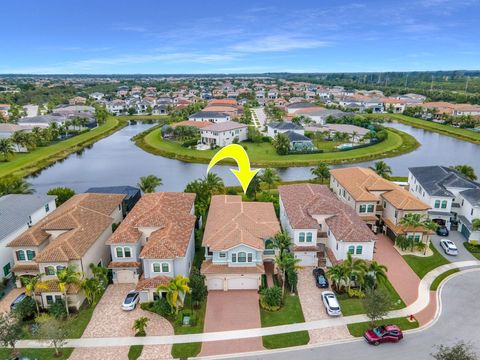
(66, 277)
(149, 183)
(476, 224)
(281, 143)
(32, 284)
(282, 241)
(254, 187)
(321, 172)
(286, 263)
(382, 169)
(355, 268)
(93, 288)
(377, 272)
(338, 276)
(101, 273)
(214, 184)
(20, 139)
(270, 177)
(466, 170)
(140, 325)
(15, 185)
(411, 221)
(431, 227)
(176, 290)
(354, 136)
(6, 149)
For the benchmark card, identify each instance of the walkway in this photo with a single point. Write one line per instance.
(416, 307)
(7, 300)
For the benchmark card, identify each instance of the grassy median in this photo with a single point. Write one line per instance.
(436, 283)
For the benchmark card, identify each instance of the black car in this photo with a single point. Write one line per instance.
(442, 231)
(320, 278)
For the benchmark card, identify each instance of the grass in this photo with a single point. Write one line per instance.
(473, 249)
(290, 313)
(462, 134)
(441, 277)
(43, 354)
(263, 154)
(134, 352)
(358, 329)
(423, 265)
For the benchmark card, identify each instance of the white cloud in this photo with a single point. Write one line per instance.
(278, 43)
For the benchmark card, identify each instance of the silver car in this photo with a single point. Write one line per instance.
(131, 301)
(331, 303)
(449, 247)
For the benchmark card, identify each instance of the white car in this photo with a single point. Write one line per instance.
(131, 301)
(449, 247)
(331, 303)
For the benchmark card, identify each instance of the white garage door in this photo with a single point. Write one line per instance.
(242, 283)
(125, 277)
(215, 284)
(307, 258)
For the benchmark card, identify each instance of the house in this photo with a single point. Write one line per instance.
(299, 142)
(319, 223)
(7, 130)
(155, 242)
(356, 132)
(42, 121)
(17, 214)
(116, 107)
(132, 194)
(211, 116)
(275, 128)
(293, 107)
(320, 115)
(237, 242)
(378, 201)
(77, 100)
(453, 199)
(72, 235)
(223, 134)
(4, 111)
(97, 96)
(160, 109)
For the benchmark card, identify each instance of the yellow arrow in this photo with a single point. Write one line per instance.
(244, 173)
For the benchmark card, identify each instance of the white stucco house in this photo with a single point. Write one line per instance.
(210, 116)
(281, 127)
(223, 134)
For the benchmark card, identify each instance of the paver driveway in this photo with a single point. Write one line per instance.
(109, 320)
(7, 300)
(231, 310)
(313, 309)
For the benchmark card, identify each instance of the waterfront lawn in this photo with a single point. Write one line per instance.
(422, 265)
(290, 313)
(358, 329)
(441, 277)
(37, 353)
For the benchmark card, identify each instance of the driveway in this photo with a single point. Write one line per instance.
(313, 309)
(7, 300)
(458, 239)
(108, 320)
(232, 310)
(400, 274)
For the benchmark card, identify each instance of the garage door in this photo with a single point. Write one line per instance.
(215, 284)
(125, 277)
(307, 259)
(242, 283)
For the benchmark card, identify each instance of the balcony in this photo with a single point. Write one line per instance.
(269, 252)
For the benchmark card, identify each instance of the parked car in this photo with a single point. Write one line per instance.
(381, 334)
(331, 303)
(320, 278)
(17, 301)
(449, 247)
(442, 231)
(131, 301)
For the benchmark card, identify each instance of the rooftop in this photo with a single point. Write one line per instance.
(127, 190)
(224, 126)
(208, 114)
(285, 125)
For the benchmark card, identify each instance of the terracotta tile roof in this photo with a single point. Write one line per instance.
(399, 229)
(232, 222)
(25, 267)
(152, 283)
(306, 248)
(123, 264)
(209, 268)
(197, 124)
(303, 202)
(54, 286)
(83, 218)
(223, 102)
(169, 214)
(332, 257)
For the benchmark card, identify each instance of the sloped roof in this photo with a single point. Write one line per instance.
(285, 125)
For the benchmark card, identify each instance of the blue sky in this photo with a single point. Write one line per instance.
(100, 36)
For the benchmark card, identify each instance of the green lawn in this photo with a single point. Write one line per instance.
(473, 249)
(441, 277)
(263, 154)
(290, 313)
(40, 354)
(463, 134)
(134, 352)
(358, 329)
(423, 265)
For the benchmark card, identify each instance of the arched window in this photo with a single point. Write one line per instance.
(49, 270)
(309, 237)
(242, 256)
(351, 249)
(20, 255)
(359, 250)
(156, 267)
(301, 237)
(30, 254)
(269, 244)
(165, 267)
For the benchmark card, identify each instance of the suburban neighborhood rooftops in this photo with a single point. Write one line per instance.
(304, 202)
(197, 124)
(293, 136)
(300, 105)
(232, 222)
(224, 126)
(208, 114)
(15, 210)
(127, 190)
(169, 215)
(285, 125)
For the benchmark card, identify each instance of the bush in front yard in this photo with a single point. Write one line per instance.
(57, 309)
(26, 308)
(271, 298)
(472, 247)
(162, 308)
(197, 286)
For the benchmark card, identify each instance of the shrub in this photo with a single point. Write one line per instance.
(57, 309)
(231, 191)
(472, 247)
(189, 143)
(271, 298)
(162, 307)
(26, 308)
(356, 293)
(197, 286)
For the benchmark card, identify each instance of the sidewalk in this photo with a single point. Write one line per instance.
(421, 303)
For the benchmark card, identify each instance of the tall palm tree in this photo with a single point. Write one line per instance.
(66, 277)
(149, 183)
(15, 185)
(338, 275)
(93, 288)
(285, 263)
(282, 241)
(431, 227)
(100, 273)
(214, 184)
(32, 284)
(377, 272)
(140, 324)
(270, 177)
(176, 290)
(6, 149)
(466, 170)
(411, 221)
(382, 169)
(321, 172)
(356, 269)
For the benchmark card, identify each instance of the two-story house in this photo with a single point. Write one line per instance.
(237, 241)
(155, 242)
(378, 201)
(72, 235)
(17, 214)
(319, 223)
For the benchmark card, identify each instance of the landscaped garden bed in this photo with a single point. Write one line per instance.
(423, 265)
(474, 249)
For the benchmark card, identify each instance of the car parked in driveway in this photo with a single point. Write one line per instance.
(320, 278)
(449, 247)
(17, 301)
(131, 301)
(331, 303)
(442, 231)
(381, 334)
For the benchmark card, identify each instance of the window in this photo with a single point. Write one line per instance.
(396, 214)
(234, 257)
(20, 255)
(156, 267)
(49, 270)
(47, 207)
(165, 267)
(6, 269)
(437, 204)
(351, 249)
(30, 254)
(119, 251)
(222, 255)
(371, 208)
(127, 252)
(309, 237)
(156, 296)
(359, 250)
(250, 257)
(49, 299)
(363, 208)
(444, 204)
(60, 268)
(384, 204)
(417, 238)
(58, 298)
(242, 257)
(301, 237)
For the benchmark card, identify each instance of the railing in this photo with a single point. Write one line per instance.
(269, 252)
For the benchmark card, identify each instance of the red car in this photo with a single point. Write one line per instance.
(381, 334)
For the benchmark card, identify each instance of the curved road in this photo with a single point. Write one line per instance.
(459, 320)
